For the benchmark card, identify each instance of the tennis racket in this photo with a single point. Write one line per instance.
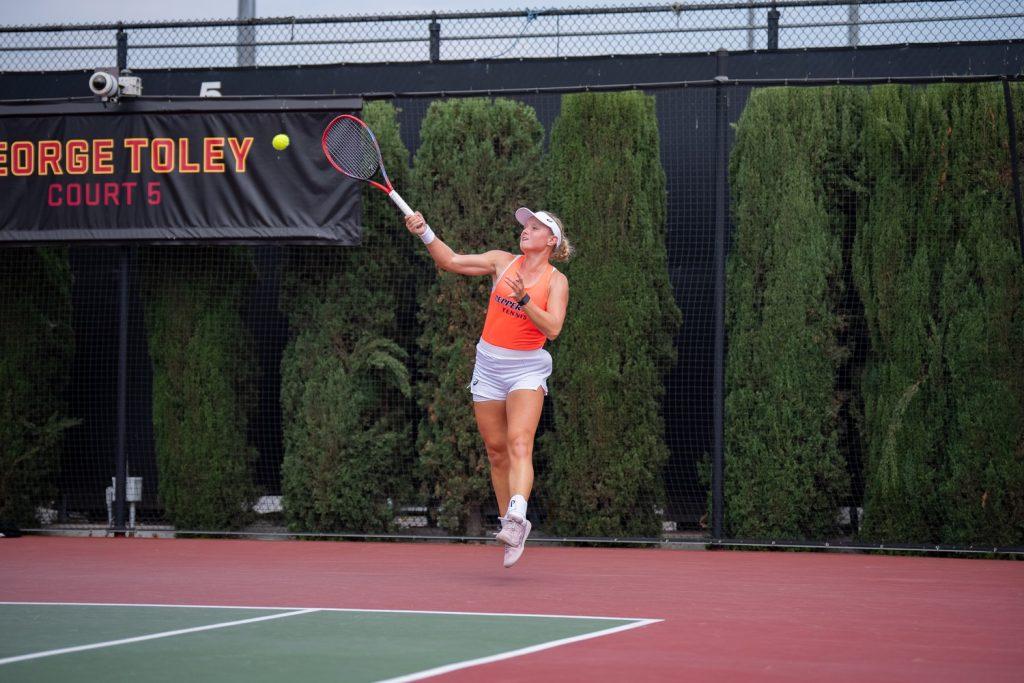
(351, 148)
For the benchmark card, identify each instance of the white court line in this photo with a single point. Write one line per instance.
(332, 609)
(151, 636)
(437, 671)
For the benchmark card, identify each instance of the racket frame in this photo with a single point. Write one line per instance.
(386, 187)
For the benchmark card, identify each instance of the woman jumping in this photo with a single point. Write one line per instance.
(526, 307)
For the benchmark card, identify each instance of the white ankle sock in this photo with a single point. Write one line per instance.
(517, 508)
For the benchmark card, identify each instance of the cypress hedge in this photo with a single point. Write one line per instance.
(36, 347)
(941, 276)
(905, 226)
(981, 303)
(938, 276)
(607, 449)
(784, 473)
(478, 160)
(345, 388)
(203, 388)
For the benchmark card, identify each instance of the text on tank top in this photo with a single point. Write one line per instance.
(506, 324)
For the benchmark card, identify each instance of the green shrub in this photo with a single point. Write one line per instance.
(940, 273)
(981, 307)
(904, 226)
(203, 387)
(937, 269)
(478, 161)
(607, 449)
(784, 473)
(36, 347)
(345, 385)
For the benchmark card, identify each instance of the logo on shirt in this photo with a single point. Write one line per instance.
(510, 307)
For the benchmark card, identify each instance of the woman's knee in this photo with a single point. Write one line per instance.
(520, 446)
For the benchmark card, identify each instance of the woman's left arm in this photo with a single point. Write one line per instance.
(550, 321)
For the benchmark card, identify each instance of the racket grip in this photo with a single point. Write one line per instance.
(400, 203)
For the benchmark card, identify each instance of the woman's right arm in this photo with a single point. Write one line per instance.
(447, 259)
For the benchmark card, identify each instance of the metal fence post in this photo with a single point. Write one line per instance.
(853, 30)
(435, 40)
(121, 455)
(721, 169)
(122, 49)
(121, 464)
(750, 25)
(773, 28)
(246, 48)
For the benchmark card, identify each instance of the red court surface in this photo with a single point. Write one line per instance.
(727, 615)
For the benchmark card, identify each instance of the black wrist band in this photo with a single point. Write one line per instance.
(525, 300)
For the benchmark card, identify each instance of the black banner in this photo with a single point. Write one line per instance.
(182, 176)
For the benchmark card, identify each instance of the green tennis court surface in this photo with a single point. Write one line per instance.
(61, 642)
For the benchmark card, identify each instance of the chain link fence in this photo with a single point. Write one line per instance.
(869, 336)
(515, 34)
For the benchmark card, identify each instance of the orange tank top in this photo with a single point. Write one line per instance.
(507, 325)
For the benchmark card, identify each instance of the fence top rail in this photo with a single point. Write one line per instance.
(88, 104)
(674, 8)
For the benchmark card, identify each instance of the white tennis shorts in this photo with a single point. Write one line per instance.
(499, 371)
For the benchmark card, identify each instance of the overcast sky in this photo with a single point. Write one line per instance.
(15, 12)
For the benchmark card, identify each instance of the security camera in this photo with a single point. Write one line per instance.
(103, 84)
(114, 84)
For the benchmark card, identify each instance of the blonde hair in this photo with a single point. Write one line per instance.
(564, 251)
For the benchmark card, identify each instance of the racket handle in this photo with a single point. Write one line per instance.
(400, 203)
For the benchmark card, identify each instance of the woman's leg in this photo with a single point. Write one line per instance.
(523, 409)
(490, 420)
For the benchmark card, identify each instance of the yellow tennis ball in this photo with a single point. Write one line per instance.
(280, 141)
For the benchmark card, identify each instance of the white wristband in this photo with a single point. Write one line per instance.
(427, 235)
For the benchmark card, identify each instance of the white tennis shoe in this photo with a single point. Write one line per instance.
(513, 534)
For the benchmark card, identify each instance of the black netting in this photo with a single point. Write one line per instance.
(795, 312)
(872, 303)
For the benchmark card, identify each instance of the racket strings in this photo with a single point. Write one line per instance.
(352, 149)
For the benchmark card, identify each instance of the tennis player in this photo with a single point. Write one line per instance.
(526, 308)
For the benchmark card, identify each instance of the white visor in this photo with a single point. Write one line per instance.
(523, 215)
